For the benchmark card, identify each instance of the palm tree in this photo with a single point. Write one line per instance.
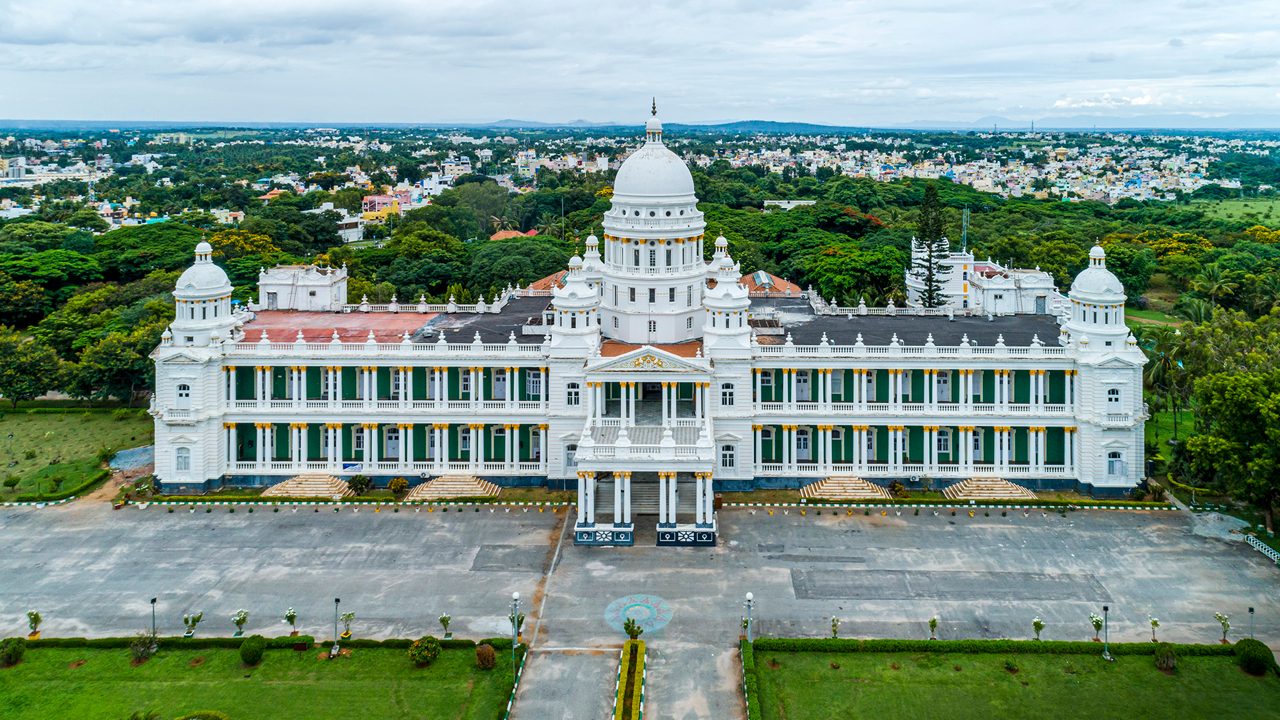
(1264, 294)
(1214, 282)
(548, 224)
(1195, 309)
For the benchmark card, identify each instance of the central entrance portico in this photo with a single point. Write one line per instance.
(646, 450)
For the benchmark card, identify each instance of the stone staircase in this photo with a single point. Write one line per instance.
(644, 498)
(987, 488)
(844, 487)
(452, 486)
(309, 486)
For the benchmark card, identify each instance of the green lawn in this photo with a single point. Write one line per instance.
(47, 446)
(885, 686)
(1159, 427)
(1263, 211)
(1134, 315)
(370, 684)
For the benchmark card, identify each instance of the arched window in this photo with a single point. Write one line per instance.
(573, 394)
(1113, 398)
(182, 459)
(184, 396)
(727, 458)
(726, 394)
(1115, 464)
(944, 441)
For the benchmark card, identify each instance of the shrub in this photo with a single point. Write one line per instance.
(632, 628)
(142, 647)
(398, 486)
(1166, 658)
(1254, 657)
(897, 489)
(251, 650)
(205, 715)
(360, 484)
(11, 650)
(486, 658)
(11, 481)
(424, 651)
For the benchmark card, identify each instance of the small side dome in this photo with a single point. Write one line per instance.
(575, 263)
(722, 242)
(204, 248)
(592, 241)
(1096, 281)
(203, 278)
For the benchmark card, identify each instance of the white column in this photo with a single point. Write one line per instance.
(617, 499)
(406, 445)
(671, 500)
(1071, 455)
(792, 386)
(626, 498)
(759, 398)
(582, 498)
(542, 447)
(662, 498)
(295, 456)
(591, 498)
(230, 431)
(666, 404)
(260, 454)
(231, 385)
(631, 402)
(515, 445)
(697, 504)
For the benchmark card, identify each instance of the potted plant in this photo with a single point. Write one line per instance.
(1155, 623)
(346, 619)
(33, 621)
(1225, 622)
(445, 618)
(1096, 621)
(632, 629)
(291, 617)
(742, 635)
(933, 628)
(835, 626)
(190, 621)
(518, 621)
(239, 619)
(1037, 625)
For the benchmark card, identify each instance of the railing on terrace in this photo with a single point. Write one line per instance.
(899, 351)
(943, 408)
(367, 348)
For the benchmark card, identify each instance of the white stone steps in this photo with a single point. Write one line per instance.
(310, 486)
(452, 486)
(844, 487)
(987, 488)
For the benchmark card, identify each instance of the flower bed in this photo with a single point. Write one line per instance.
(628, 702)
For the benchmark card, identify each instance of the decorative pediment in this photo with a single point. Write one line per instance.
(648, 359)
(183, 357)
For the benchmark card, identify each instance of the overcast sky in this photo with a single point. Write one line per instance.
(853, 63)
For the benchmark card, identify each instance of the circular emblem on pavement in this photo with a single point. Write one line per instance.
(650, 611)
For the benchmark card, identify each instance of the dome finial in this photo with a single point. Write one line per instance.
(653, 110)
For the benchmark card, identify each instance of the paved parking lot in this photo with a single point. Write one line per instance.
(91, 571)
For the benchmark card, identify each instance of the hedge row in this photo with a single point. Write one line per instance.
(750, 681)
(1012, 647)
(633, 675)
(1045, 504)
(80, 489)
(174, 643)
(190, 499)
(284, 641)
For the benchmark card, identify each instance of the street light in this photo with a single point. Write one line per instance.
(749, 603)
(1250, 623)
(334, 651)
(155, 644)
(515, 627)
(1106, 646)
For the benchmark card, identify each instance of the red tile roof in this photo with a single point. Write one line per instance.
(505, 234)
(283, 325)
(614, 348)
(762, 282)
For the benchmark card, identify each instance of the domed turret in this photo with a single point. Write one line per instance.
(575, 306)
(727, 302)
(653, 272)
(202, 300)
(1097, 307)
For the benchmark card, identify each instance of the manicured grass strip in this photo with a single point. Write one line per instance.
(62, 449)
(983, 685)
(372, 682)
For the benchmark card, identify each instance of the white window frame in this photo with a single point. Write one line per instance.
(942, 441)
(533, 384)
(726, 394)
(573, 394)
(1113, 397)
(182, 460)
(728, 456)
(183, 399)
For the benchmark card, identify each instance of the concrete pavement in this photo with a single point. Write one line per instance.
(90, 571)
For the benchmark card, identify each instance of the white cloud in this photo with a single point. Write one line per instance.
(857, 62)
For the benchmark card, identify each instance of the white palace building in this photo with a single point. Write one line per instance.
(646, 377)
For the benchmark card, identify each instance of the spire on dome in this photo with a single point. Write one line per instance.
(653, 126)
(654, 110)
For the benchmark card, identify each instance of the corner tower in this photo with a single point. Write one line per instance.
(654, 274)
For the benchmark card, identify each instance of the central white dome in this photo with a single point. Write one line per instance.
(653, 170)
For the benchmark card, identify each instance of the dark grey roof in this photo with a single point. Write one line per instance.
(493, 327)
(806, 327)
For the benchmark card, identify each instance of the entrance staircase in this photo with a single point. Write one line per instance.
(987, 488)
(309, 486)
(452, 486)
(844, 487)
(645, 498)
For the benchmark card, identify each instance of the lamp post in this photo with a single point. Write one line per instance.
(1251, 623)
(154, 642)
(515, 628)
(749, 603)
(334, 651)
(1106, 647)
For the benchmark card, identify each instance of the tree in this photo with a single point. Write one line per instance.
(112, 368)
(930, 250)
(87, 219)
(28, 368)
(1238, 436)
(1215, 283)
